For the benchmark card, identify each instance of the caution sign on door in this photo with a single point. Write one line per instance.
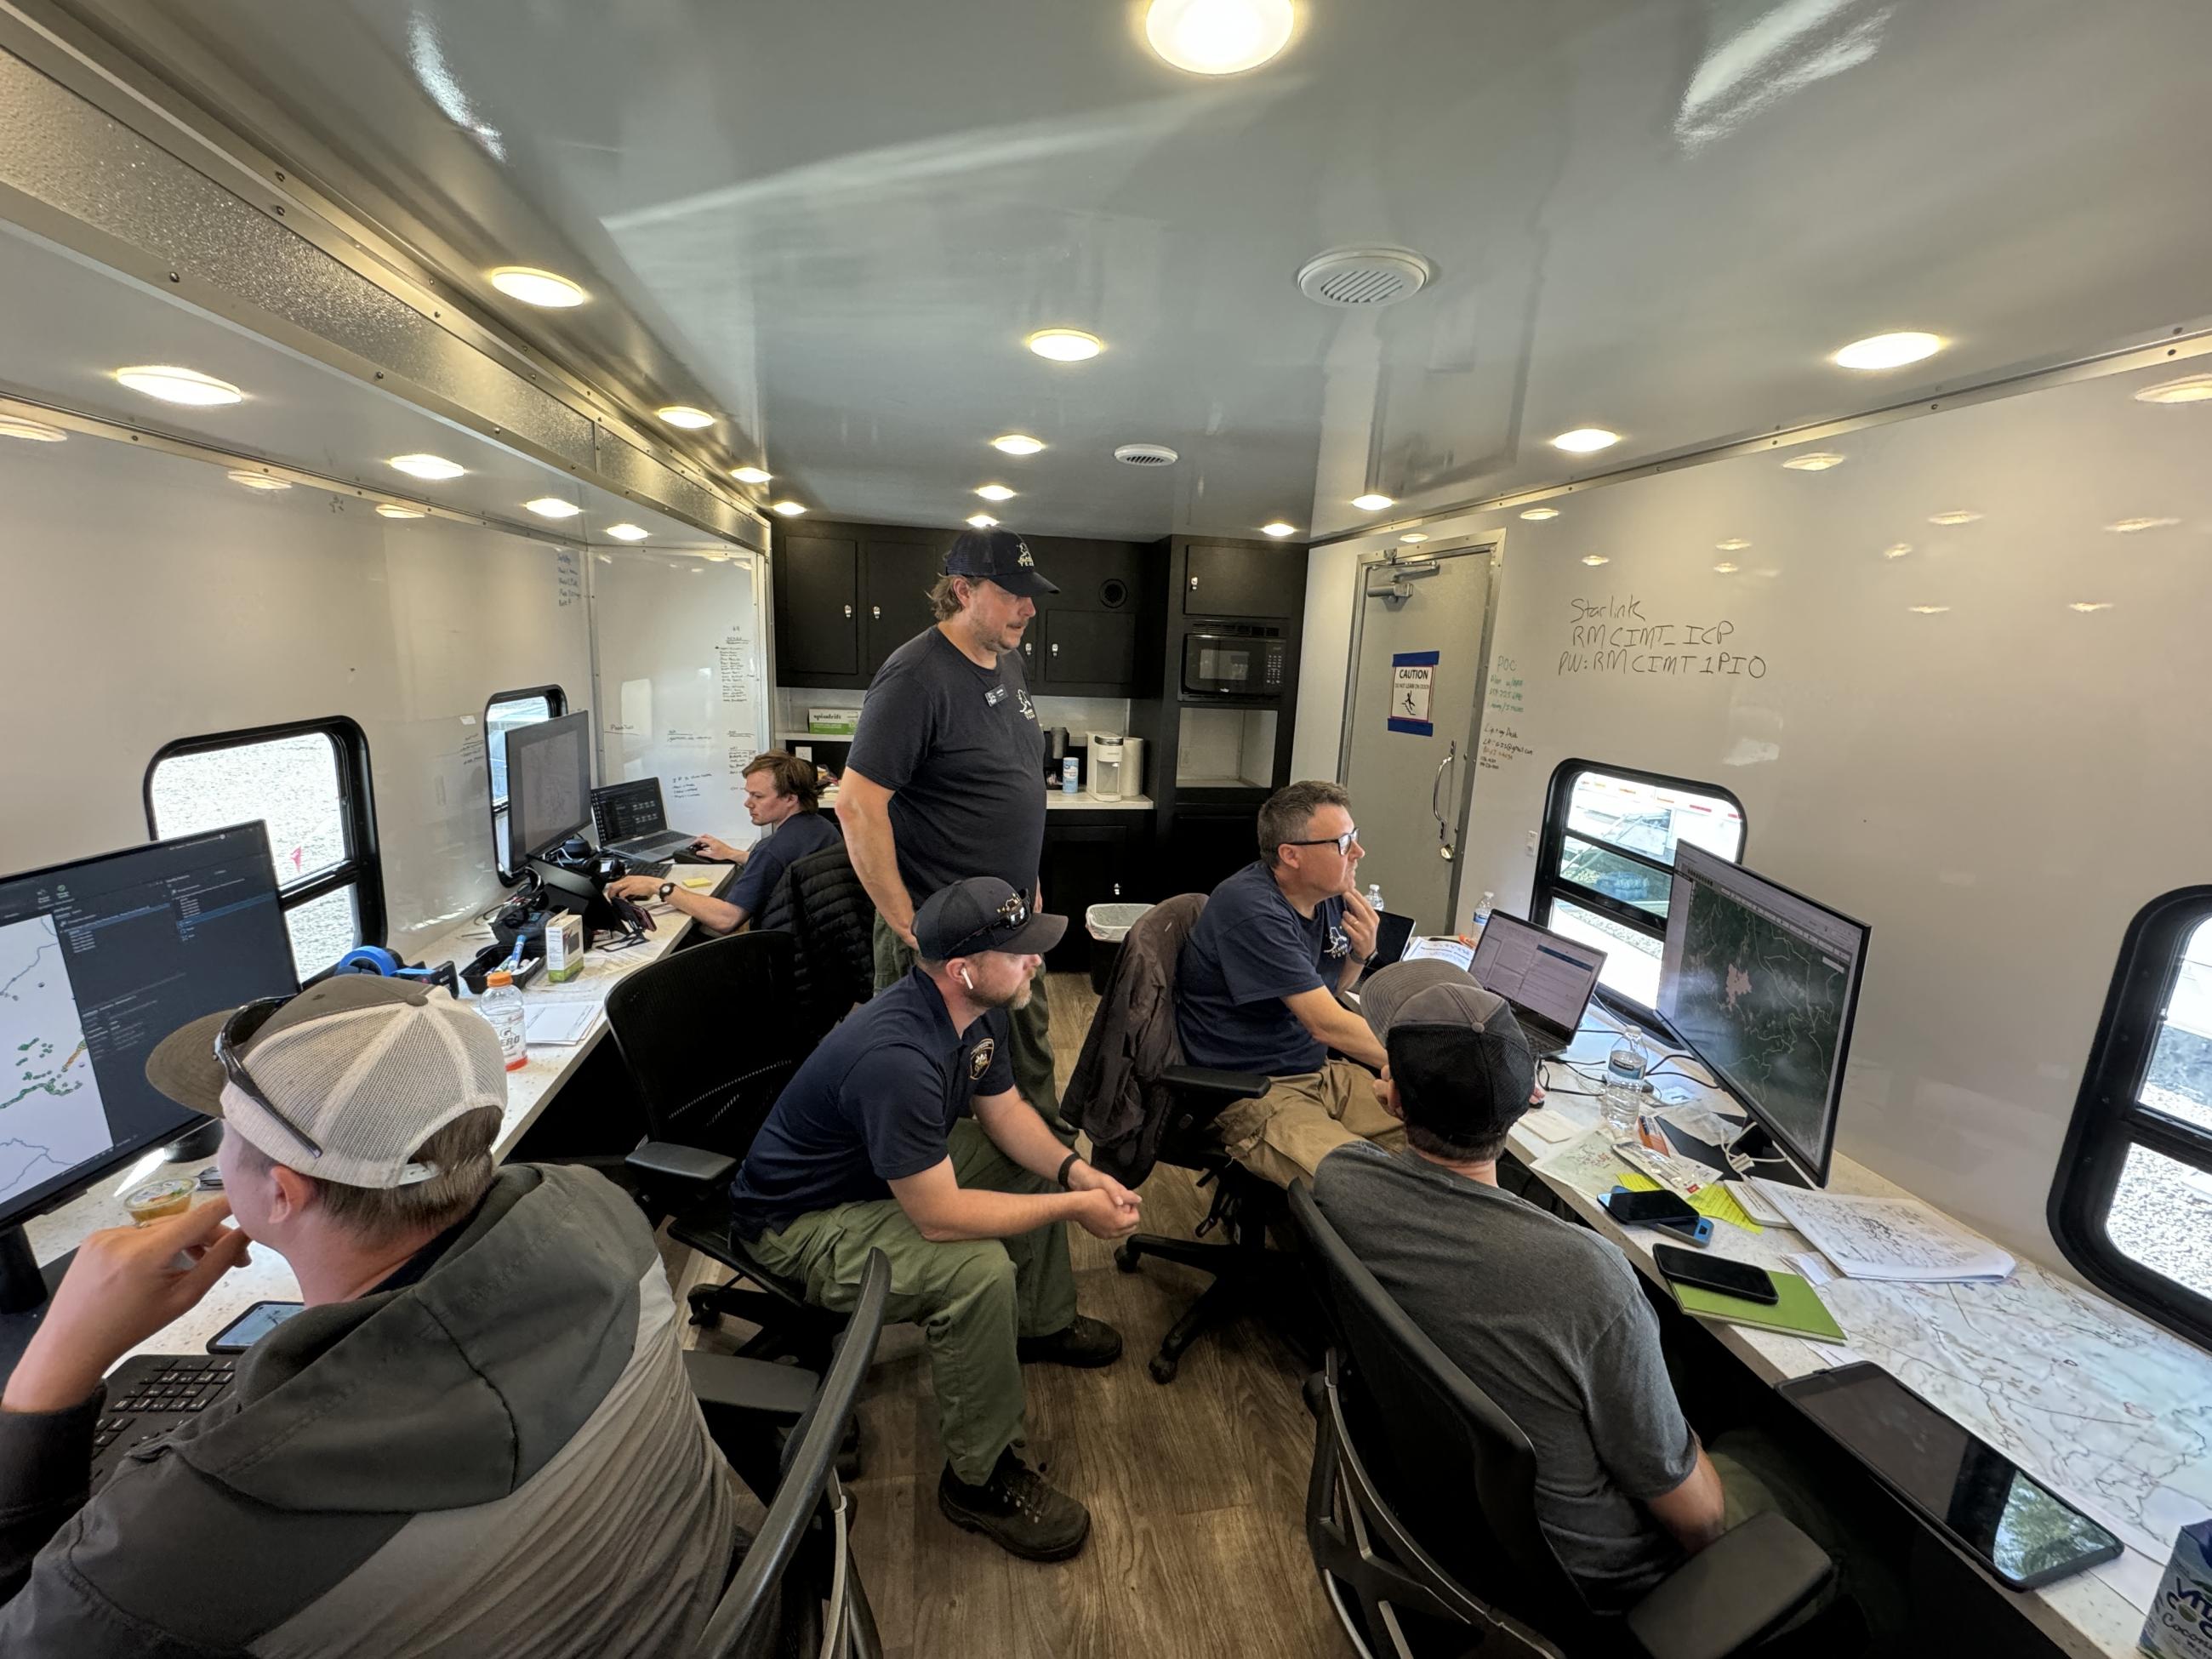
(1413, 681)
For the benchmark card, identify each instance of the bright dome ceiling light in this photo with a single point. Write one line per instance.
(1726, 570)
(1962, 516)
(685, 415)
(789, 509)
(2194, 389)
(180, 385)
(1539, 515)
(982, 521)
(1889, 351)
(552, 506)
(1819, 461)
(994, 492)
(1219, 37)
(534, 287)
(1065, 346)
(393, 510)
(1928, 610)
(1897, 550)
(2086, 606)
(256, 480)
(34, 432)
(1278, 528)
(1733, 544)
(1371, 502)
(426, 466)
(628, 533)
(1586, 440)
(2136, 526)
(1016, 443)
(1413, 540)
(1596, 558)
(751, 475)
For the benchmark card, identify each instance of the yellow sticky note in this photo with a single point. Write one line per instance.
(697, 882)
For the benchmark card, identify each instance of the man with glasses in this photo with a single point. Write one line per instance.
(1255, 989)
(903, 1132)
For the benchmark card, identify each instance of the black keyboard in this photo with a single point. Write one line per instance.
(658, 871)
(150, 1394)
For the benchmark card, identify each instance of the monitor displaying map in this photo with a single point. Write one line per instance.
(1762, 983)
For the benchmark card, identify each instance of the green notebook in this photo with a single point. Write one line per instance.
(1798, 1313)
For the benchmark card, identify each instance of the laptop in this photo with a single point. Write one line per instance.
(632, 823)
(1546, 977)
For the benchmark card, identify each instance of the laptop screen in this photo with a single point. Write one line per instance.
(620, 810)
(1538, 972)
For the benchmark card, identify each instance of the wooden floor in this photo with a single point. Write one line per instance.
(1196, 1490)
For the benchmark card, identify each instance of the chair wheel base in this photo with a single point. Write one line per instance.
(1128, 1258)
(1162, 1368)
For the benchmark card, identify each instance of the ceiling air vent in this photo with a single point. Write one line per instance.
(1362, 279)
(1146, 455)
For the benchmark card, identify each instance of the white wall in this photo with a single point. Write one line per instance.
(1997, 788)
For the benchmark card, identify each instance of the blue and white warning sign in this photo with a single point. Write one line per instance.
(1412, 680)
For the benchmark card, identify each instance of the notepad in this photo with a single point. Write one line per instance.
(1799, 1310)
(559, 1024)
(1715, 1198)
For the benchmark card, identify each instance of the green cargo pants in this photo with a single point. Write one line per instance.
(1031, 1032)
(972, 1298)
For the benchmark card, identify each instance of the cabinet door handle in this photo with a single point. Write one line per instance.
(1028, 650)
(1194, 583)
(848, 613)
(1055, 647)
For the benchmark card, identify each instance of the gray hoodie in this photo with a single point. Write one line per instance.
(503, 1457)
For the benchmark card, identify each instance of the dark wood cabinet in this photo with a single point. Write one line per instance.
(896, 578)
(1229, 580)
(1206, 844)
(1086, 653)
(818, 598)
(1089, 858)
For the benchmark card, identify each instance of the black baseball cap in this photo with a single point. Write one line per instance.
(982, 914)
(998, 556)
(1459, 1060)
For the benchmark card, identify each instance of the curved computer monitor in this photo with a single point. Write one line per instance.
(1762, 984)
(548, 784)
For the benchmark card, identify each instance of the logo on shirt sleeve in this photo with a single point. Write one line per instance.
(979, 1062)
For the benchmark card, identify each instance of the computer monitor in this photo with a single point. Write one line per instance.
(548, 784)
(1761, 984)
(101, 959)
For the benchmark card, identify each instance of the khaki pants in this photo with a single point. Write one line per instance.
(1302, 1118)
(972, 1298)
(1030, 1033)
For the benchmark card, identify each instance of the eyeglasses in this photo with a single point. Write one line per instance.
(1010, 914)
(1342, 844)
(238, 1029)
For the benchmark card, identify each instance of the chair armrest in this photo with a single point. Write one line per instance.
(1728, 1596)
(671, 1161)
(722, 1381)
(1221, 1086)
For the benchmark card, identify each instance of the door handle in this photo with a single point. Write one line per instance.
(848, 613)
(1443, 828)
(1028, 649)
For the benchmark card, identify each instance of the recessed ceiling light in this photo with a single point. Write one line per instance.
(536, 287)
(1596, 558)
(552, 506)
(982, 521)
(180, 386)
(2131, 527)
(1219, 37)
(1889, 351)
(1065, 346)
(1016, 443)
(2194, 389)
(789, 509)
(1371, 502)
(752, 474)
(994, 492)
(393, 510)
(1961, 516)
(1585, 440)
(1733, 544)
(628, 533)
(1819, 461)
(685, 415)
(426, 466)
(256, 480)
(36, 431)
(1725, 568)
(1414, 539)
(1279, 529)
(1928, 610)
(2087, 605)
(1897, 550)
(1539, 515)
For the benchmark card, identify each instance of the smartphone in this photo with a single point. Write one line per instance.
(1633, 1209)
(249, 1327)
(1983, 1501)
(1716, 1273)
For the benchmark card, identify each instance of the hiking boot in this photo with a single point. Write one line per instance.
(1016, 1509)
(1089, 1343)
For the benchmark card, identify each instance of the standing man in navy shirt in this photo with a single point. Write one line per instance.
(945, 778)
(902, 1134)
(783, 796)
(1255, 985)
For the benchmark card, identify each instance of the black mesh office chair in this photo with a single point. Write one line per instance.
(798, 1583)
(1421, 1510)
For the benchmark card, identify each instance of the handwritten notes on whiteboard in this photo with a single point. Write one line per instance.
(1502, 708)
(1615, 635)
(568, 576)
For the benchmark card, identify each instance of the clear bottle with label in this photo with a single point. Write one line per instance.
(502, 1004)
(1623, 1083)
(1374, 896)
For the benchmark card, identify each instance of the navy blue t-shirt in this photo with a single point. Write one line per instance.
(800, 834)
(873, 1104)
(1248, 951)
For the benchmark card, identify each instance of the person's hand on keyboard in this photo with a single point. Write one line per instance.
(126, 1284)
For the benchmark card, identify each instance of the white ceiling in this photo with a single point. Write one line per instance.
(833, 222)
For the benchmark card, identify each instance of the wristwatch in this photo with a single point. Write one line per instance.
(666, 888)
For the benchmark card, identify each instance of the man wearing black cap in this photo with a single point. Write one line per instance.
(946, 777)
(903, 1132)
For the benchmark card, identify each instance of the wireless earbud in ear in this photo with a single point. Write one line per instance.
(965, 980)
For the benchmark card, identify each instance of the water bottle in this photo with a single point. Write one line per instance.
(1624, 1083)
(502, 1004)
(1374, 896)
(1481, 917)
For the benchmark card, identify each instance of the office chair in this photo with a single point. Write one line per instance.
(821, 904)
(798, 1583)
(1421, 1509)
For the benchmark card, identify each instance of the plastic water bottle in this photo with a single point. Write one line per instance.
(1374, 896)
(1481, 917)
(502, 1004)
(1624, 1083)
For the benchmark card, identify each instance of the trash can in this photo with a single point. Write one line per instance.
(1108, 925)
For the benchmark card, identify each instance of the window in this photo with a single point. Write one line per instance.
(1605, 862)
(2132, 1203)
(309, 782)
(505, 712)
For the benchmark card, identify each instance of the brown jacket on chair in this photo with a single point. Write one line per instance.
(1114, 1095)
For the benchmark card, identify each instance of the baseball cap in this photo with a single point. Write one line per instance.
(1459, 1060)
(982, 914)
(361, 1070)
(998, 556)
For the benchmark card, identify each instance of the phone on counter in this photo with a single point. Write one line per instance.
(1659, 1209)
(1716, 1273)
(249, 1327)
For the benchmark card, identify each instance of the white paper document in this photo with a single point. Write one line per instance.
(1893, 1238)
(560, 1024)
(1459, 955)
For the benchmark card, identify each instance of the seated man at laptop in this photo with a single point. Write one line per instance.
(1256, 984)
(477, 1436)
(783, 796)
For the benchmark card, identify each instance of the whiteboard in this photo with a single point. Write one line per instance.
(680, 681)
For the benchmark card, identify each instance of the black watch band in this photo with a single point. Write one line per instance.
(666, 888)
(1065, 1164)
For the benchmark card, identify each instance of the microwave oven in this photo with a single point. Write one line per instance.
(1245, 664)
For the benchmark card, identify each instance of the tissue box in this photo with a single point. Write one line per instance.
(564, 947)
(832, 722)
(2180, 1622)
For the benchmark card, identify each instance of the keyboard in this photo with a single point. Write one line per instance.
(640, 867)
(150, 1394)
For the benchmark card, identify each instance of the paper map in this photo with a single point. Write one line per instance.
(1899, 1239)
